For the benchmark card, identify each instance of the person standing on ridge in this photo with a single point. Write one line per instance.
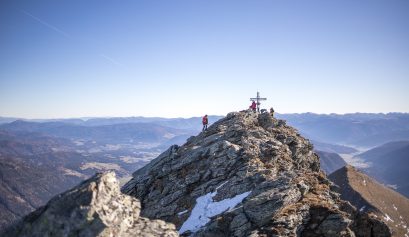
(253, 106)
(205, 121)
(272, 112)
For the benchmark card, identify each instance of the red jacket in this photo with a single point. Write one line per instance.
(204, 120)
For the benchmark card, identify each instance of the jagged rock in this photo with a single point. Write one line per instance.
(368, 225)
(96, 207)
(266, 121)
(248, 175)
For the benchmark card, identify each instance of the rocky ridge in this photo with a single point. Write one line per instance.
(248, 175)
(96, 207)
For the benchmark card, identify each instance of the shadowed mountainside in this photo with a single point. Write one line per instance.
(29, 174)
(367, 195)
(389, 165)
(330, 162)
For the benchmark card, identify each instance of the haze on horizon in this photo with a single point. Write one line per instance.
(65, 59)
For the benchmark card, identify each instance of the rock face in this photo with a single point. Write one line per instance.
(248, 175)
(96, 207)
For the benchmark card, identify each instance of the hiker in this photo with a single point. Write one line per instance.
(205, 121)
(272, 112)
(253, 106)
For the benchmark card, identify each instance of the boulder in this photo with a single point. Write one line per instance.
(96, 207)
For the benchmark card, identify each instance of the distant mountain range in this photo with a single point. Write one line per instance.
(193, 123)
(358, 129)
(115, 133)
(367, 195)
(333, 148)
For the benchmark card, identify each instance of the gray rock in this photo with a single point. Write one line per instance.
(333, 225)
(303, 188)
(96, 207)
(265, 120)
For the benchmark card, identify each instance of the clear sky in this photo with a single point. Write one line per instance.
(175, 58)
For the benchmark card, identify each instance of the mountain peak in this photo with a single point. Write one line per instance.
(248, 174)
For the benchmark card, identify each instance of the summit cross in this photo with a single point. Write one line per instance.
(258, 99)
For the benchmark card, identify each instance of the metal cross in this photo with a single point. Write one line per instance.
(258, 99)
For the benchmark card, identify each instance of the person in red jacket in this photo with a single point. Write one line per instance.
(205, 121)
(253, 106)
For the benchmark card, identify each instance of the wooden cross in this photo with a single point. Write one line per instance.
(258, 99)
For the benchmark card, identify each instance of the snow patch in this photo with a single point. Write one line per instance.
(182, 212)
(387, 218)
(394, 207)
(364, 182)
(362, 209)
(221, 185)
(206, 208)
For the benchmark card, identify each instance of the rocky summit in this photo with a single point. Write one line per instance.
(247, 175)
(96, 207)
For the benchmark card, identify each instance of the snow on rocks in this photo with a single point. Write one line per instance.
(387, 218)
(206, 208)
(182, 212)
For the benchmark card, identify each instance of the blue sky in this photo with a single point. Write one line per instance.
(186, 58)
